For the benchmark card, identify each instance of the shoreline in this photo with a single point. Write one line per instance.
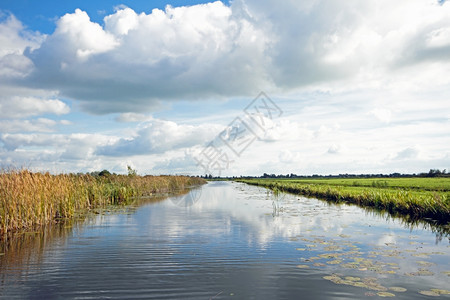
(30, 199)
(414, 204)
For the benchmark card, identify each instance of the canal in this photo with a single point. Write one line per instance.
(229, 240)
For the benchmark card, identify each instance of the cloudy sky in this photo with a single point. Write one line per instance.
(175, 86)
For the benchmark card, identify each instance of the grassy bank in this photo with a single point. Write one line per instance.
(417, 198)
(439, 184)
(28, 199)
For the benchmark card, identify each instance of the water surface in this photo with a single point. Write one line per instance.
(228, 241)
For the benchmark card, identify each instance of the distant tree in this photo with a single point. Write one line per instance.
(131, 171)
(104, 173)
(434, 173)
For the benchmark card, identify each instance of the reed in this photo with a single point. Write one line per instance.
(414, 203)
(29, 199)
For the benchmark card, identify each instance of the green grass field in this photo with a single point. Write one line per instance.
(415, 183)
(415, 197)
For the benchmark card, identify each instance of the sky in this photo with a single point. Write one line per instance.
(242, 87)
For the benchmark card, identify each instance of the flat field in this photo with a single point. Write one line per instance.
(441, 184)
(414, 197)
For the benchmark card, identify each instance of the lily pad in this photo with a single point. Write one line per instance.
(319, 265)
(421, 272)
(385, 271)
(350, 266)
(329, 255)
(359, 284)
(425, 263)
(303, 266)
(385, 294)
(334, 262)
(332, 248)
(429, 293)
(344, 236)
(376, 287)
(350, 278)
(333, 277)
(441, 292)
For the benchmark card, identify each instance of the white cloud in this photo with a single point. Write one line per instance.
(120, 23)
(368, 81)
(61, 147)
(334, 149)
(19, 140)
(33, 125)
(14, 40)
(135, 60)
(200, 51)
(17, 101)
(287, 156)
(185, 164)
(20, 107)
(159, 136)
(408, 153)
(133, 117)
(382, 114)
(79, 36)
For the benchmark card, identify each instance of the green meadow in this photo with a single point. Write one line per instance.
(414, 197)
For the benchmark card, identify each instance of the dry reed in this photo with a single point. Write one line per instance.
(28, 199)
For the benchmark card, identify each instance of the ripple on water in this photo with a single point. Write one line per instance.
(235, 241)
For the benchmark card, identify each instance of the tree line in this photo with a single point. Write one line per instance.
(431, 173)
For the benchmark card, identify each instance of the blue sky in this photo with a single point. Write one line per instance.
(41, 15)
(363, 87)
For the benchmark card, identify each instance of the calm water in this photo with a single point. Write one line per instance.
(235, 242)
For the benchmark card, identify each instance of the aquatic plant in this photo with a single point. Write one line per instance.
(427, 203)
(28, 199)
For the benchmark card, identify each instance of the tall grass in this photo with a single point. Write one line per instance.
(441, 184)
(28, 199)
(417, 204)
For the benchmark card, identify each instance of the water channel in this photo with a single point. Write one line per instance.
(229, 240)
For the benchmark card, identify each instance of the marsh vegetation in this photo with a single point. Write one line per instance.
(414, 197)
(237, 241)
(30, 199)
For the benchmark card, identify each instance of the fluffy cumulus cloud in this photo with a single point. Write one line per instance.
(14, 39)
(133, 60)
(33, 125)
(159, 136)
(19, 103)
(365, 83)
(18, 107)
(53, 152)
